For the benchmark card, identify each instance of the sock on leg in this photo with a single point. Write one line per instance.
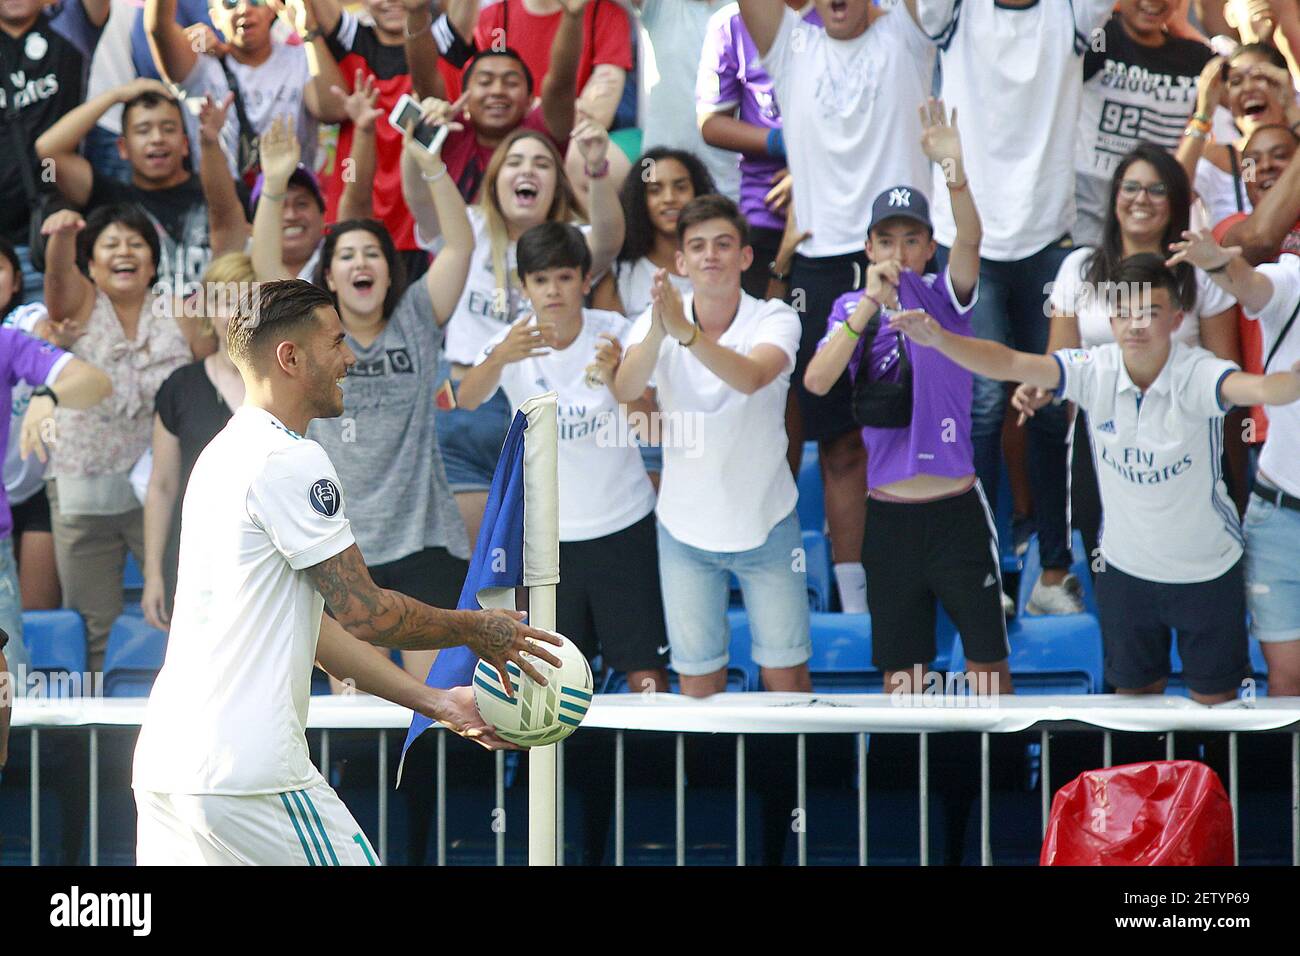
(851, 578)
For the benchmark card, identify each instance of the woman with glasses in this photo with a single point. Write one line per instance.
(1148, 209)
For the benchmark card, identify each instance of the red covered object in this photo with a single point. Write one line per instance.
(1161, 813)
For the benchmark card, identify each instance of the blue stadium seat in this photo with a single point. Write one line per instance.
(132, 578)
(1079, 567)
(1053, 655)
(56, 643)
(134, 657)
(812, 496)
(841, 655)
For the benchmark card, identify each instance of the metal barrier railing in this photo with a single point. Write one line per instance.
(741, 715)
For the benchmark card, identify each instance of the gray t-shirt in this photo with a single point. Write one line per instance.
(385, 444)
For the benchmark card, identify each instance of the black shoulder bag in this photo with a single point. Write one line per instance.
(249, 158)
(1280, 338)
(878, 403)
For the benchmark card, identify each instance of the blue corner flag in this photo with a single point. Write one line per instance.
(497, 562)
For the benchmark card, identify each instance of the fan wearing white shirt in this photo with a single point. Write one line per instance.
(720, 361)
(1270, 295)
(608, 601)
(222, 773)
(1172, 543)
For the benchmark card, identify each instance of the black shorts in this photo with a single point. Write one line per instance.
(433, 576)
(766, 243)
(608, 600)
(1137, 617)
(32, 515)
(815, 284)
(917, 553)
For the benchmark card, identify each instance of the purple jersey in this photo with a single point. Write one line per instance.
(731, 78)
(938, 440)
(22, 359)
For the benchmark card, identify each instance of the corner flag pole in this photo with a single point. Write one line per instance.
(541, 563)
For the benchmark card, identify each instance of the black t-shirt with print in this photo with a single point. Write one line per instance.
(179, 212)
(43, 75)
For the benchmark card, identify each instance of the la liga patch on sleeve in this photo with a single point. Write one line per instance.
(325, 498)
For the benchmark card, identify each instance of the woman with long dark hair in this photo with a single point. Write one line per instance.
(1147, 211)
(663, 181)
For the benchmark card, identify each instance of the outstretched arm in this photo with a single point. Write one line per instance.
(562, 73)
(345, 658)
(68, 293)
(603, 207)
(228, 227)
(942, 146)
(168, 42)
(1279, 388)
(763, 21)
(990, 359)
(391, 619)
(359, 169)
(1226, 267)
(279, 150)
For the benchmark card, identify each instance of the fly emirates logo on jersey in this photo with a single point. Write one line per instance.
(29, 90)
(1143, 467)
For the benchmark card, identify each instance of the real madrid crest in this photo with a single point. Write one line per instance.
(36, 47)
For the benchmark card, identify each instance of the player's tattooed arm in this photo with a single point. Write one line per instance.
(391, 619)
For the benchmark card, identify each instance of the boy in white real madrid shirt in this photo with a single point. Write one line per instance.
(608, 600)
(222, 773)
(1171, 542)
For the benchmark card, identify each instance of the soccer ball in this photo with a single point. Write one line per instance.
(536, 715)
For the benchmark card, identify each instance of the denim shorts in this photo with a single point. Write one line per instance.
(471, 442)
(1272, 571)
(696, 586)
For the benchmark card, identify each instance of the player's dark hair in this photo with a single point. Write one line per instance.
(706, 208)
(1266, 50)
(639, 236)
(1147, 270)
(148, 100)
(1101, 267)
(131, 216)
(271, 310)
(9, 252)
(509, 53)
(553, 245)
(396, 271)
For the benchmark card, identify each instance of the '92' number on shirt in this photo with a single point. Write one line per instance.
(1120, 119)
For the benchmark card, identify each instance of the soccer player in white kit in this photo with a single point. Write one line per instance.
(222, 772)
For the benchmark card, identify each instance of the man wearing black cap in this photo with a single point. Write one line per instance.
(929, 535)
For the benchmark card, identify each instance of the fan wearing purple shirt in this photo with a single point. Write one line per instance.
(58, 378)
(929, 532)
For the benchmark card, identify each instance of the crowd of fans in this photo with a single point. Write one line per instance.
(840, 221)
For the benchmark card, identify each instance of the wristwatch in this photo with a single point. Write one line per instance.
(778, 276)
(44, 391)
(311, 35)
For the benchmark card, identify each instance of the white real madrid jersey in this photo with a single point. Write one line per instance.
(229, 709)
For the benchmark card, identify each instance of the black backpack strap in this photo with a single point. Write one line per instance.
(1281, 336)
(1236, 178)
(248, 158)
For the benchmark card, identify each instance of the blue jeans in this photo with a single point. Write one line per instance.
(101, 152)
(1012, 309)
(11, 610)
(1272, 575)
(696, 586)
(33, 281)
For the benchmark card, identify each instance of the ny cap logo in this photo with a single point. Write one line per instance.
(900, 197)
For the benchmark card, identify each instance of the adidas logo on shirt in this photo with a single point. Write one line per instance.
(1107, 426)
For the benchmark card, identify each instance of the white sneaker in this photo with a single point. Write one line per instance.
(1063, 598)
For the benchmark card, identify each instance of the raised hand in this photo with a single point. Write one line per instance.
(1209, 87)
(524, 341)
(609, 352)
(203, 39)
(501, 637)
(143, 84)
(1201, 250)
(940, 140)
(359, 104)
(592, 140)
(882, 282)
(65, 221)
(667, 305)
(441, 113)
(212, 118)
(918, 326)
(279, 149)
(296, 13)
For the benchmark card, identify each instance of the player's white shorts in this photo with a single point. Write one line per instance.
(308, 827)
